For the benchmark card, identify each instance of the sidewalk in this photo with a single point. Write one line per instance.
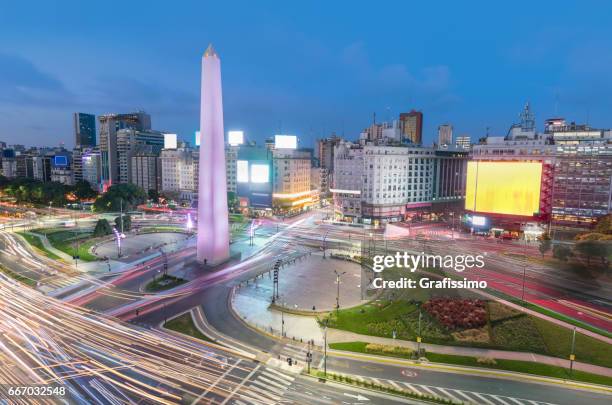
(255, 312)
(337, 336)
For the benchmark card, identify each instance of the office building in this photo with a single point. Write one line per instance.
(109, 124)
(411, 124)
(445, 135)
(463, 142)
(84, 130)
(92, 168)
(179, 172)
(291, 177)
(146, 169)
(130, 141)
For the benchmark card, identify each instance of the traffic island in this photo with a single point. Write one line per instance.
(165, 282)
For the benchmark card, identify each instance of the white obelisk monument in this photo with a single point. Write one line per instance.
(213, 226)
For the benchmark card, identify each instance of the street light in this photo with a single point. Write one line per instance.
(338, 290)
(325, 350)
(325, 243)
(118, 238)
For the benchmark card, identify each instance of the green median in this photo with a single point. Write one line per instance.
(184, 324)
(489, 363)
(35, 242)
(18, 277)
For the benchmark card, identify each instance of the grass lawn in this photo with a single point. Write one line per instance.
(505, 330)
(37, 243)
(508, 365)
(18, 277)
(184, 324)
(66, 241)
(165, 282)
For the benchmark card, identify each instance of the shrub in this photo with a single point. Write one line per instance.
(486, 360)
(457, 313)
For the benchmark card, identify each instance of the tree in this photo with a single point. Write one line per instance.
(593, 248)
(127, 223)
(562, 252)
(604, 224)
(83, 190)
(545, 244)
(128, 196)
(102, 228)
(153, 195)
(232, 200)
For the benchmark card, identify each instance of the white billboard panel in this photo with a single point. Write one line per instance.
(242, 171)
(285, 142)
(170, 141)
(235, 138)
(260, 173)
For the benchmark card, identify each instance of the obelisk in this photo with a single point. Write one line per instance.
(213, 226)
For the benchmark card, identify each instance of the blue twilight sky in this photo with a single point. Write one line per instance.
(304, 67)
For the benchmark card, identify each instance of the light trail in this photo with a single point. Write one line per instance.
(101, 360)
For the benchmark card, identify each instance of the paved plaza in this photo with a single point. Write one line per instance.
(134, 245)
(302, 284)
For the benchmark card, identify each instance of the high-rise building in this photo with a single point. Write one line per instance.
(91, 167)
(9, 163)
(231, 155)
(463, 142)
(84, 129)
(41, 166)
(179, 169)
(146, 169)
(213, 221)
(61, 169)
(109, 125)
(130, 141)
(445, 135)
(386, 183)
(292, 180)
(411, 124)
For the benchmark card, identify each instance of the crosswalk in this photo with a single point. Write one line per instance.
(296, 352)
(268, 387)
(456, 396)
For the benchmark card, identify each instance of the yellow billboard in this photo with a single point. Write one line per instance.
(511, 188)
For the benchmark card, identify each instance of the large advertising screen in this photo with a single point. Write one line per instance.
(511, 188)
(242, 171)
(285, 141)
(260, 173)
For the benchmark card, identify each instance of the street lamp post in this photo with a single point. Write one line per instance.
(524, 271)
(325, 350)
(325, 243)
(118, 237)
(572, 355)
(282, 324)
(419, 337)
(338, 290)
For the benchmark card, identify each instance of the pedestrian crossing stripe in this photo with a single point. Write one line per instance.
(263, 392)
(274, 383)
(280, 374)
(264, 386)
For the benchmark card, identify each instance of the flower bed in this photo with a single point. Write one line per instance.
(457, 314)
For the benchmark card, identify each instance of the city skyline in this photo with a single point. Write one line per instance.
(314, 86)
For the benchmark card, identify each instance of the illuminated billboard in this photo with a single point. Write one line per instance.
(170, 141)
(60, 161)
(511, 188)
(260, 173)
(235, 138)
(242, 171)
(285, 141)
